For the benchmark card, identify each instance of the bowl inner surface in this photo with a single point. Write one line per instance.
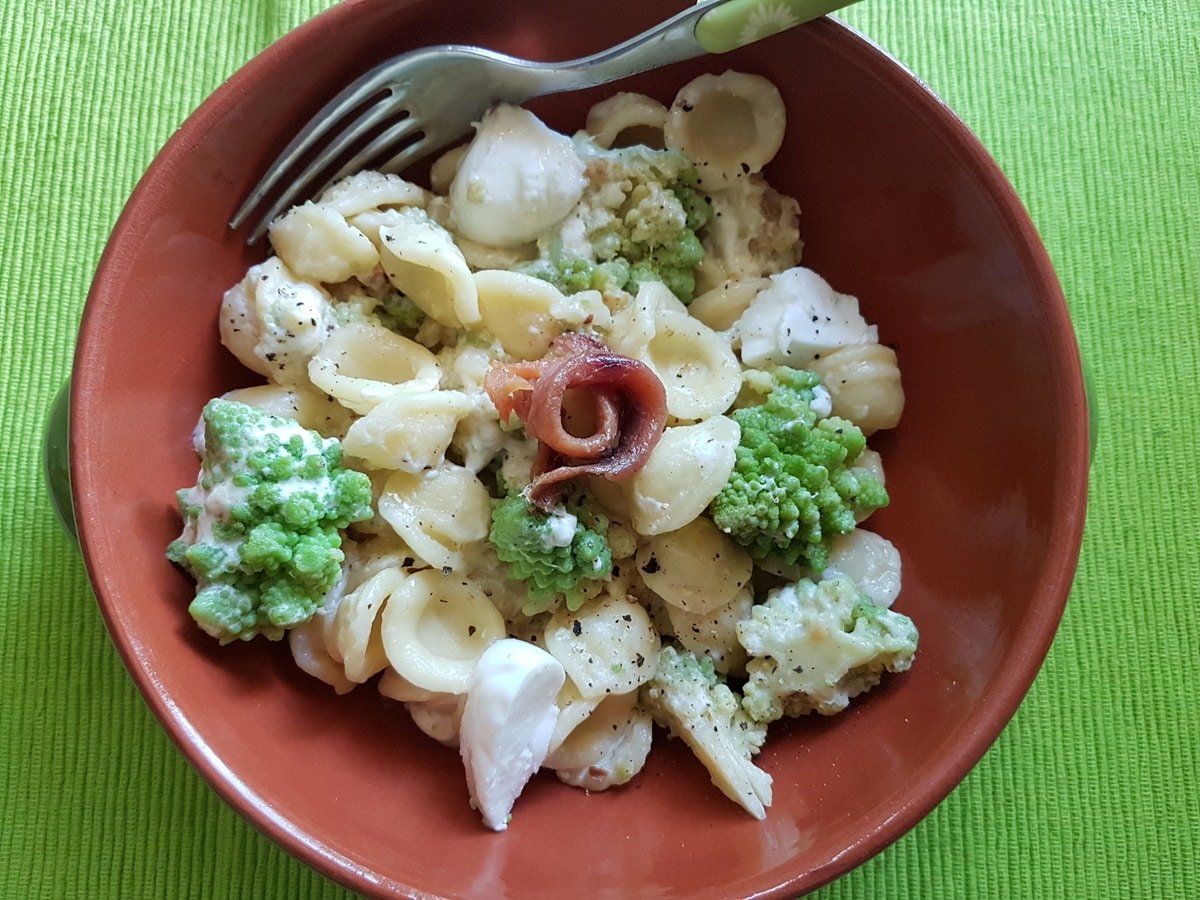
(987, 472)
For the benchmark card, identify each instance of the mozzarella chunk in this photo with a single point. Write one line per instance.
(516, 180)
(798, 318)
(507, 722)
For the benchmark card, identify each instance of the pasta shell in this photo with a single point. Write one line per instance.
(730, 125)
(436, 628)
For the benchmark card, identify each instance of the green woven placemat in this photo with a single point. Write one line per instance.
(1092, 791)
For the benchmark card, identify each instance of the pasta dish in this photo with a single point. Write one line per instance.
(561, 452)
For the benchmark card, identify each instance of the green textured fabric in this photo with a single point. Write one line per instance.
(1093, 109)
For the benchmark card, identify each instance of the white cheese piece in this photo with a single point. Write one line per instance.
(562, 529)
(797, 318)
(507, 722)
(516, 180)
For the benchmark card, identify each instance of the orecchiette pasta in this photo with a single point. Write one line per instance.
(316, 242)
(307, 643)
(440, 716)
(714, 633)
(573, 709)
(508, 596)
(871, 561)
(409, 431)
(436, 627)
(362, 365)
(441, 513)
(365, 191)
(608, 748)
(608, 646)
(697, 568)
(696, 365)
(724, 304)
(517, 309)
(422, 260)
(864, 382)
(684, 473)
(444, 168)
(730, 124)
(627, 119)
(355, 633)
(395, 686)
(367, 558)
(312, 409)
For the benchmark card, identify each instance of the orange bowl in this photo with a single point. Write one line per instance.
(901, 206)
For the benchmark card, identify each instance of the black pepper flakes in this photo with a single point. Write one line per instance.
(651, 565)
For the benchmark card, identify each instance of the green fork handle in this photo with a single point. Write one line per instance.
(737, 23)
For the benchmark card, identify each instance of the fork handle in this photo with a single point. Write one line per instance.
(717, 26)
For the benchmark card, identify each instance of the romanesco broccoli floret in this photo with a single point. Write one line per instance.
(637, 221)
(572, 274)
(687, 697)
(794, 486)
(261, 525)
(563, 553)
(815, 645)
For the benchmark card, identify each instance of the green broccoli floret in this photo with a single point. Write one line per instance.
(560, 554)
(794, 486)
(814, 646)
(686, 697)
(261, 525)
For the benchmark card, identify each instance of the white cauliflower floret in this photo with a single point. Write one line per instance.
(686, 697)
(814, 646)
(273, 322)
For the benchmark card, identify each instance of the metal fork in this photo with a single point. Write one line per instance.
(425, 99)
